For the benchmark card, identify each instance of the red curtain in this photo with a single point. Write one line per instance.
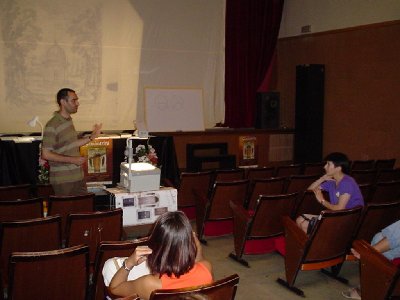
(252, 28)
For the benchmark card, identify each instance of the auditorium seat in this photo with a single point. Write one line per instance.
(93, 227)
(222, 289)
(325, 246)
(213, 216)
(267, 186)
(58, 274)
(39, 234)
(366, 164)
(106, 250)
(192, 187)
(381, 164)
(14, 192)
(298, 183)
(385, 192)
(21, 209)
(288, 170)
(64, 205)
(313, 168)
(364, 176)
(260, 231)
(260, 173)
(379, 277)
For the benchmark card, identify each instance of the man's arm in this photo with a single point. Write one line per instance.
(95, 133)
(52, 156)
(77, 160)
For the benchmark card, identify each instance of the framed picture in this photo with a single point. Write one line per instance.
(248, 150)
(98, 166)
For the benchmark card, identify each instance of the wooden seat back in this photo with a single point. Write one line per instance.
(65, 273)
(14, 192)
(92, 228)
(223, 289)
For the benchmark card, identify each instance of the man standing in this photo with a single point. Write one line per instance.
(61, 144)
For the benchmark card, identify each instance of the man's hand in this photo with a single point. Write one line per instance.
(96, 130)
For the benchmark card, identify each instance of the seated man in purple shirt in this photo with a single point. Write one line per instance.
(343, 190)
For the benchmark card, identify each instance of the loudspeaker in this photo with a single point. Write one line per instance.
(309, 120)
(267, 110)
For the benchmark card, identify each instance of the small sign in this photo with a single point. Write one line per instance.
(248, 150)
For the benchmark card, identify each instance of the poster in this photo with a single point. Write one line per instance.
(248, 151)
(98, 166)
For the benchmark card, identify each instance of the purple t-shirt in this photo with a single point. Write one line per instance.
(346, 186)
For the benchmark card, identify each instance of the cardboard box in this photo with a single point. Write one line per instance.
(137, 180)
(143, 207)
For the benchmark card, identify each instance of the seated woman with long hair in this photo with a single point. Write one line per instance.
(174, 257)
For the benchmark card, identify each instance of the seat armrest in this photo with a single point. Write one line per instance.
(373, 263)
(366, 250)
(240, 214)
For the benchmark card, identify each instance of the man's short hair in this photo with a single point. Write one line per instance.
(63, 94)
(339, 160)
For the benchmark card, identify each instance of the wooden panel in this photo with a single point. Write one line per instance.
(231, 137)
(361, 87)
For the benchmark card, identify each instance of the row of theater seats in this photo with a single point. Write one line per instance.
(67, 249)
(198, 186)
(70, 224)
(252, 210)
(316, 168)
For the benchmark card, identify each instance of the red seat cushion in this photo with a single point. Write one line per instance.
(217, 228)
(265, 246)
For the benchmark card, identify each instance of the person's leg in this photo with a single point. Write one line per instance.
(385, 242)
(70, 188)
(382, 245)
(303, 221)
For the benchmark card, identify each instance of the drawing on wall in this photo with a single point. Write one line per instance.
(52, 59)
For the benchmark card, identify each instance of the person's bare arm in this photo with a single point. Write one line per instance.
(343, 199)
(200, 256)
(95, 133)
(77, 160)
(53, 156)
(143, 286)
(316, 184)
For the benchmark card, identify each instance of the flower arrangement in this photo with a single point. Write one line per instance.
(44, 169)
(146, 154)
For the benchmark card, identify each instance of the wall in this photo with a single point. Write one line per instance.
(108, 51)
(335, 14)
(361, 86)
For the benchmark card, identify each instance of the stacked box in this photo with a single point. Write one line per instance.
(143, 207)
